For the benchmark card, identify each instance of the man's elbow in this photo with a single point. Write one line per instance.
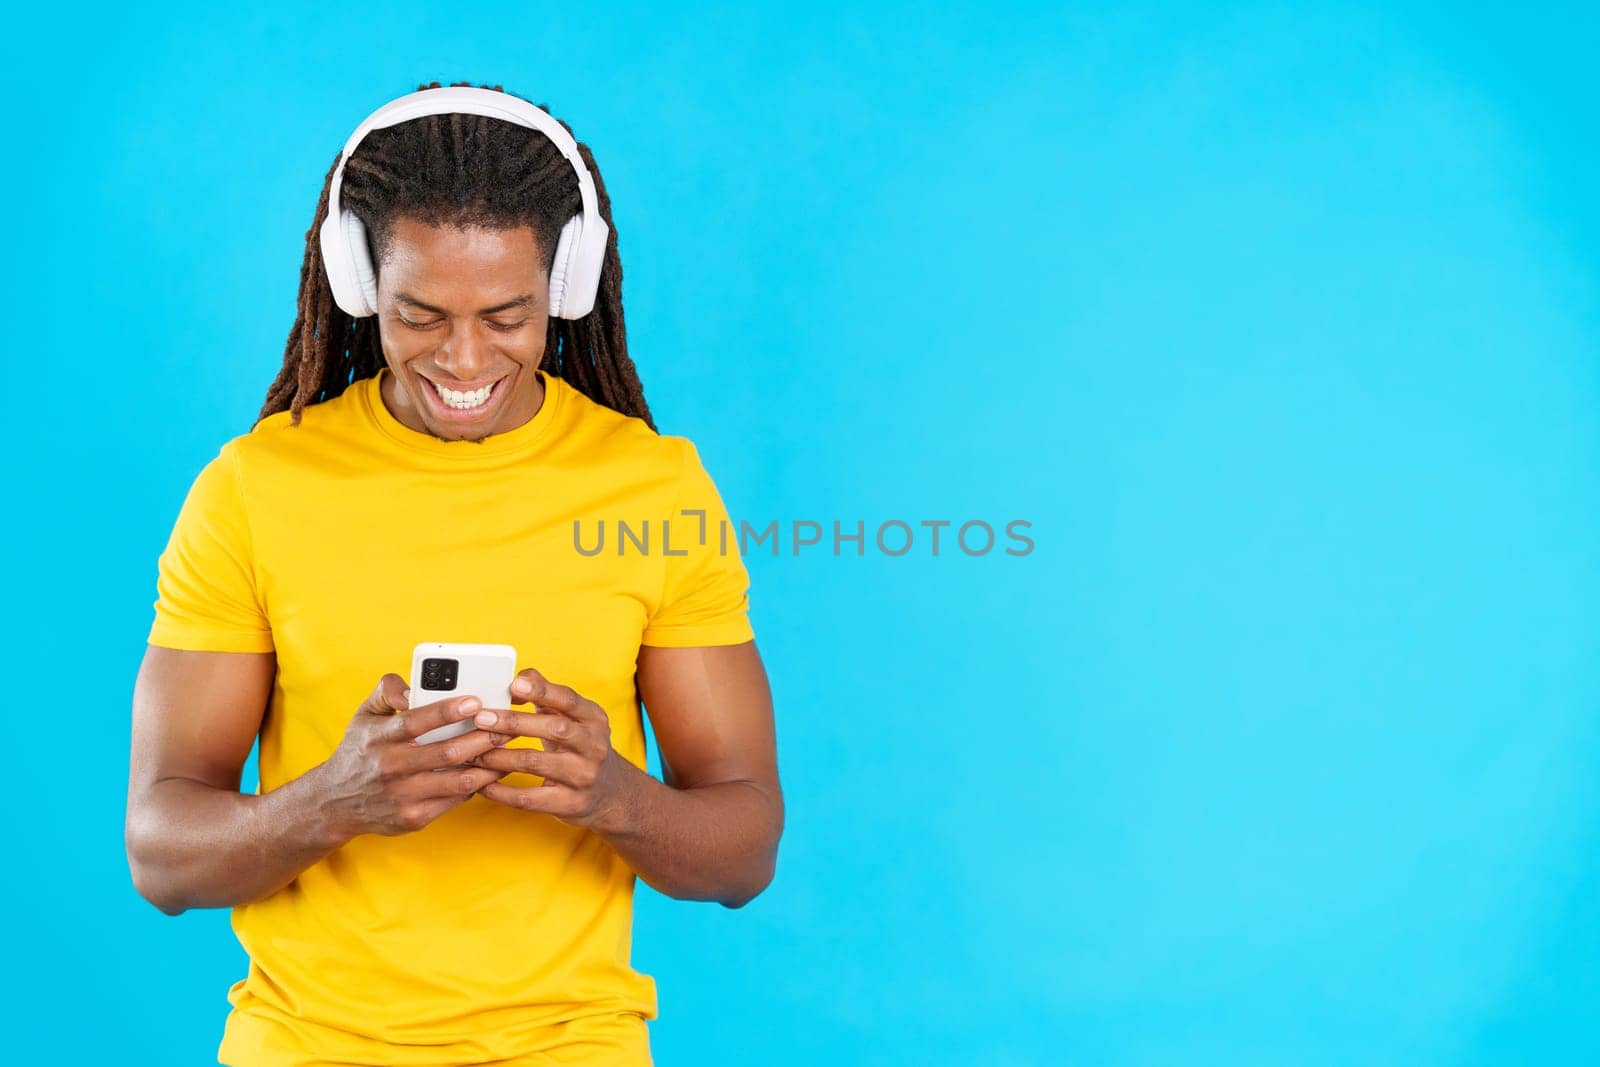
(146, 872)
(740, 902)
(150, 888)
(772, 835)
(752, 891)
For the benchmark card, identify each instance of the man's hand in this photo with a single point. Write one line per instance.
(585, 779)
(381, 781)
(710, 830)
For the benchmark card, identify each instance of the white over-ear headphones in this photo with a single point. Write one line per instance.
(575, 275)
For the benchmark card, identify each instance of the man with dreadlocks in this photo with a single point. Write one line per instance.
(416, 474)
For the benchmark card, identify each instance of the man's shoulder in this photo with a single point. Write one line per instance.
(600, 434)
(279, 436)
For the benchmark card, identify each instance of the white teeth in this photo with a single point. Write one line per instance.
(464, 400)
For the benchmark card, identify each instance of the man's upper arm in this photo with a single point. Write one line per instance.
(196, 715)
(711, 709)
(699, 674)
(208, 670)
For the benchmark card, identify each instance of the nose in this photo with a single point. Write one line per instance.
(463, 354)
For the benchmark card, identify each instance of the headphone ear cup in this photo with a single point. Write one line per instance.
(348, 263)
(365, 275)
(561, 269)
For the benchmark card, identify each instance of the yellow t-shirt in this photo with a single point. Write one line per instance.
(491, 934)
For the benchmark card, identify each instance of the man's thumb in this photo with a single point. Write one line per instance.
(391, 695)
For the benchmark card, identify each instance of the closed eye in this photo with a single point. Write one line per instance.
(503, 327)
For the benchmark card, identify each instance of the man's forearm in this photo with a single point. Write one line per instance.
(715, 842)
(193, 845)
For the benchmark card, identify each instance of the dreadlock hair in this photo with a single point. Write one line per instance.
(463, 170)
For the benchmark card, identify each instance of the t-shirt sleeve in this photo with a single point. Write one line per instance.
(705, 595)
(207, 600)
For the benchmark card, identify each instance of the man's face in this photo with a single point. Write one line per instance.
(462, 310)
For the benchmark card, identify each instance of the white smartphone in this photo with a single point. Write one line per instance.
(444, 669)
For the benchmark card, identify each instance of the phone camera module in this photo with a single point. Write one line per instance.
(440, 674)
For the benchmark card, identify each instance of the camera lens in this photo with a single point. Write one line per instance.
(439, 674)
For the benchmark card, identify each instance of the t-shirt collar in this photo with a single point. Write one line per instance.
(525, 438)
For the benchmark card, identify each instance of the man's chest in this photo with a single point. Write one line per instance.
(358, 574)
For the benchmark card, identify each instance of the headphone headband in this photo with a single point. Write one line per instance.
(580, 252)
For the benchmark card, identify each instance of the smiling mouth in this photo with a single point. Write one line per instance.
(468, 404)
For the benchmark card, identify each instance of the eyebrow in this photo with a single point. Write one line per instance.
(525, 301)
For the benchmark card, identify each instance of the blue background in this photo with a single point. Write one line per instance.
(1279, 325)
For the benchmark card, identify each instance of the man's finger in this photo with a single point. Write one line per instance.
(391, 695)
(452, 782)
(419, 721)
(531, 687)
(448, 752)
(548, 727)
(564, 767)
(552, 799)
